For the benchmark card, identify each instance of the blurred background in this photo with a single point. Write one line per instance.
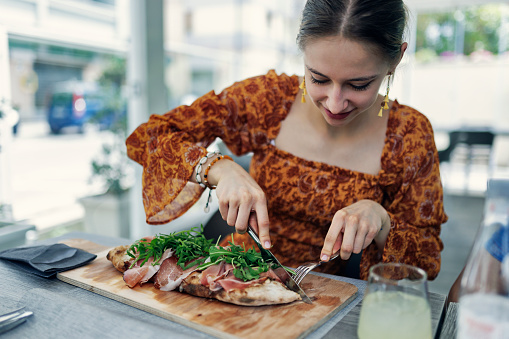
(77, 76)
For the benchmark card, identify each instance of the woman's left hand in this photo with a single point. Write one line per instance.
(354, 227)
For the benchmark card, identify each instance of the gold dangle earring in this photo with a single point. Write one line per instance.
(385, 102)
(302, 86)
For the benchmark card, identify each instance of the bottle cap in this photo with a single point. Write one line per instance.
(498, 188)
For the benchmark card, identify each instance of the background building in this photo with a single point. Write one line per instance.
(56, 40)
(210, 44)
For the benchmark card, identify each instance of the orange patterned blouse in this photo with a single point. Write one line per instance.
(302, 195)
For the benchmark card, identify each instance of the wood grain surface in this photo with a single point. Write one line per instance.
(214, 317)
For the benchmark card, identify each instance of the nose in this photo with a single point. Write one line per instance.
(336, 102)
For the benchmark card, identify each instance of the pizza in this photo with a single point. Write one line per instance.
(188, 262)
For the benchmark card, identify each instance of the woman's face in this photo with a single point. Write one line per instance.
(343, 78)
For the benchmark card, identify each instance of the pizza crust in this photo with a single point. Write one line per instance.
(270, 292)
(119, 258)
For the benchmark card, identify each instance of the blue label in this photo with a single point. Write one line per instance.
(498, 244)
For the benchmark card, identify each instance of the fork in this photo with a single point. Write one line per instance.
(304, 269)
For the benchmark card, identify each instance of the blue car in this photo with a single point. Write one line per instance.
(76, 107)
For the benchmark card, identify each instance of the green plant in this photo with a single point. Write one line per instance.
(112, 166)
(464, 30)
(112, 82)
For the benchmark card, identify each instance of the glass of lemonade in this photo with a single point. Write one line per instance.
(395, 303)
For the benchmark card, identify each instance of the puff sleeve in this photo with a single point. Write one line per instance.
(169, 146)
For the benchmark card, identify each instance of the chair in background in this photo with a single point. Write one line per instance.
(469, 147)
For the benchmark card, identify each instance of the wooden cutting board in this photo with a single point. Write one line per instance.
(214, 317)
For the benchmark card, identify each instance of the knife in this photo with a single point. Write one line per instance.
(10, 320)
(266, 254)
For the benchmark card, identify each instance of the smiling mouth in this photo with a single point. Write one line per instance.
(338, 116)
(347, 112)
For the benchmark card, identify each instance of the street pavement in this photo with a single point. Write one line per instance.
(50, 172)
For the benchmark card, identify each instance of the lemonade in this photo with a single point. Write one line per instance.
(394, 315)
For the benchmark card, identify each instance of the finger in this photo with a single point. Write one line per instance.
(242, 218)
(360, 237)
(262, 218)
(367, 241)
(253, 222)
(351, 226)
(337, 244)
(223, 208)
(333, 235)
(369, 237)
(232, 214)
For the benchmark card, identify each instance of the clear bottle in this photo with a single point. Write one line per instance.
(484, 293)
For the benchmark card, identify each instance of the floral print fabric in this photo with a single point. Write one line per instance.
(302, 195)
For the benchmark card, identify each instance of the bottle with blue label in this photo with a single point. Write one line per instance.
(484, 294)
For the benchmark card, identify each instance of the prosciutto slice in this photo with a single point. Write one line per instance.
(142, 274)
(134, 275)
(221, 276)
(278, 274)
(230, 282)
(213, 274)
(171, 275)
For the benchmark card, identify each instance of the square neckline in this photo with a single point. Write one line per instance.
(336, 170)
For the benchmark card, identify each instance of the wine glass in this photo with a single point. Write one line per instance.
(395, 303)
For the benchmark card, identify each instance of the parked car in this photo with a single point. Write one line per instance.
(75, 104)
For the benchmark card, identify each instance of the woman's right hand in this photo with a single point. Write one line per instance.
(241, 199)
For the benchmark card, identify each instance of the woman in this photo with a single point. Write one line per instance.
(335, 167)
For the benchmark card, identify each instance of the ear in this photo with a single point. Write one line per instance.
(403, 48)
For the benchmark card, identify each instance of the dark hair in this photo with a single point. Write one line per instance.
(380, 23)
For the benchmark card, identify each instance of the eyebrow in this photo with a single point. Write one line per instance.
(367, 78)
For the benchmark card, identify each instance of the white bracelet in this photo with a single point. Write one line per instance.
(200, 164)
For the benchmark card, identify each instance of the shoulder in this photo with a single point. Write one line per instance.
(284, 81)
(406, 120)
(264, 93)
(260, 90)
(409, 135)
(409, 126)
(270, 82)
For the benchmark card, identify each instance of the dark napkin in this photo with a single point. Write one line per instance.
(47, 260)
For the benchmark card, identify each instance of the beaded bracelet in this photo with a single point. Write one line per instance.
(200, 164)
(205, 176)
(206, 183)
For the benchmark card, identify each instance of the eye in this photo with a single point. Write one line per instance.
(361, 87)
(319, 82)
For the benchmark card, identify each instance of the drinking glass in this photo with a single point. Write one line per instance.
(395, 303)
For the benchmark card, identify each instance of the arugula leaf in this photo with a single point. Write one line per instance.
(248, 264)
(188, 246)
(193, 248)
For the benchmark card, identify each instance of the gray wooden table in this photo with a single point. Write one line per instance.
(65, 311)
(449, 329)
